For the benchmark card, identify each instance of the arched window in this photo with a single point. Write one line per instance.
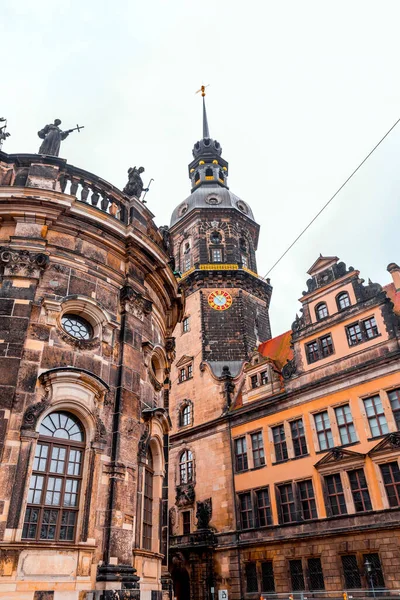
(186, 415)
(187, 257)
(221, 175)
(343, 300)
(196, 177)
(209, 173)
(186, 467)
(148, 502)
(321, 311)
(55, 484)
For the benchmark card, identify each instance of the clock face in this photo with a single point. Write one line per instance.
(220, 300)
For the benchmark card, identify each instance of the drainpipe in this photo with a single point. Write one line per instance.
(235, 507)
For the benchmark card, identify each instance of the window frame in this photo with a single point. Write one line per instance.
(185, 409)
(240, 456)
(213, 253)
(290, 502)
(338, 495)
(280, 445)
(376, 416)
(186, 324)
(362, 334)
(263, 511)
(258, 451)
(307, 502)
(347, 425)
(317, 350)
(395, 485)
(395, 411)
(246, 510)
(324, 431)
(299, 441)
(148, 501)
(363, 491)
(53, 442)
(186, 467)
(318, 307)
(338, 300)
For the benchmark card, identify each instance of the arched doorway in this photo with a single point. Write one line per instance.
(180, 578)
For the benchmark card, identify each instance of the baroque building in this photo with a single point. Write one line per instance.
(284, 453)
(88, 304)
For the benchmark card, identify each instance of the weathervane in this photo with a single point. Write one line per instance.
(3, 133)
(52, 137)
(206, 132)
(203, 89)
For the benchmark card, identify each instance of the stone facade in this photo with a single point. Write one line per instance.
(74, 247)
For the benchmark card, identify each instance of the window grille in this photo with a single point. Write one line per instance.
(391, 479)
(278, 434)
(335, 495)
(251, 577)
(376, 416)
(241, 454)
(263, 507)
(324, 431)
(376, 577)
(359, 489)
(296, 575)
(345, 424)
(298, 438)
(257, 445)
(307, 500)
(216, 255)
(351, 573)
(315, 574)
(267, 577)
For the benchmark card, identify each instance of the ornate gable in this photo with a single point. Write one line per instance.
(389, 444)
(322, 263)
(338, 457)
(184, 360)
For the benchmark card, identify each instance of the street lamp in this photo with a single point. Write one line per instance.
(369, 569)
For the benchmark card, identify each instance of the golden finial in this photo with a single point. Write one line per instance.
(203, 90)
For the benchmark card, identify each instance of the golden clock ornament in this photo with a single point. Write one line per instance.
(220, 300)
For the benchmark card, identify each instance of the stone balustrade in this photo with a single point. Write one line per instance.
(50, 172)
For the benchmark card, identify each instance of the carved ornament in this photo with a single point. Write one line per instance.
(204, 513)
(135, 303)
(22, 263)
(185, 494)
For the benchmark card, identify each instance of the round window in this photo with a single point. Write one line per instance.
(77, 327)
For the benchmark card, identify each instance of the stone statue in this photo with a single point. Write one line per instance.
(3, 134)
(134, 187)
(204, 513)
(52, 136)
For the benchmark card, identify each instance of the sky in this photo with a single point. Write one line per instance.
(299, 93)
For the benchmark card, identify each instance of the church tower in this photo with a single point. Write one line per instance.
(214, 236)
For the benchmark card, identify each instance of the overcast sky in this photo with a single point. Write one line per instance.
(300, 92)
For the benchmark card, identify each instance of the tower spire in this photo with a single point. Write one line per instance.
(206, 132)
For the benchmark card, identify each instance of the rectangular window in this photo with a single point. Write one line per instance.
(278, 434)
(298, 437)
(394, 397)
(182, 375)
(354, 335)
(187, 262)
(375, 579)
(359, 489)
(312, 351)
(148, 509)
(345, 424)
(351, 573)
(254, 381)
(315, 574)
(246, 511)
(251, 577)
(326, 345)
(257, 446)
(391, 479)
(296, 575)
(307, 500)
(263, 507)
(241, 454)
(216, 254)
(371, 328)
(185, 324)
(324, 431)
(335, 495)
(264, 377)
(190, 371)
(286, 503)
(376, 416)
(267, 577)
(244, 261)
(186, 522)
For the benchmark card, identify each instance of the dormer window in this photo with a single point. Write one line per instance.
(254, 381)
(264, 377)
(343, 301)
(209, 173)
(321, 311)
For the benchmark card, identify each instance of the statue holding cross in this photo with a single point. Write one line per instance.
(52, 137)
